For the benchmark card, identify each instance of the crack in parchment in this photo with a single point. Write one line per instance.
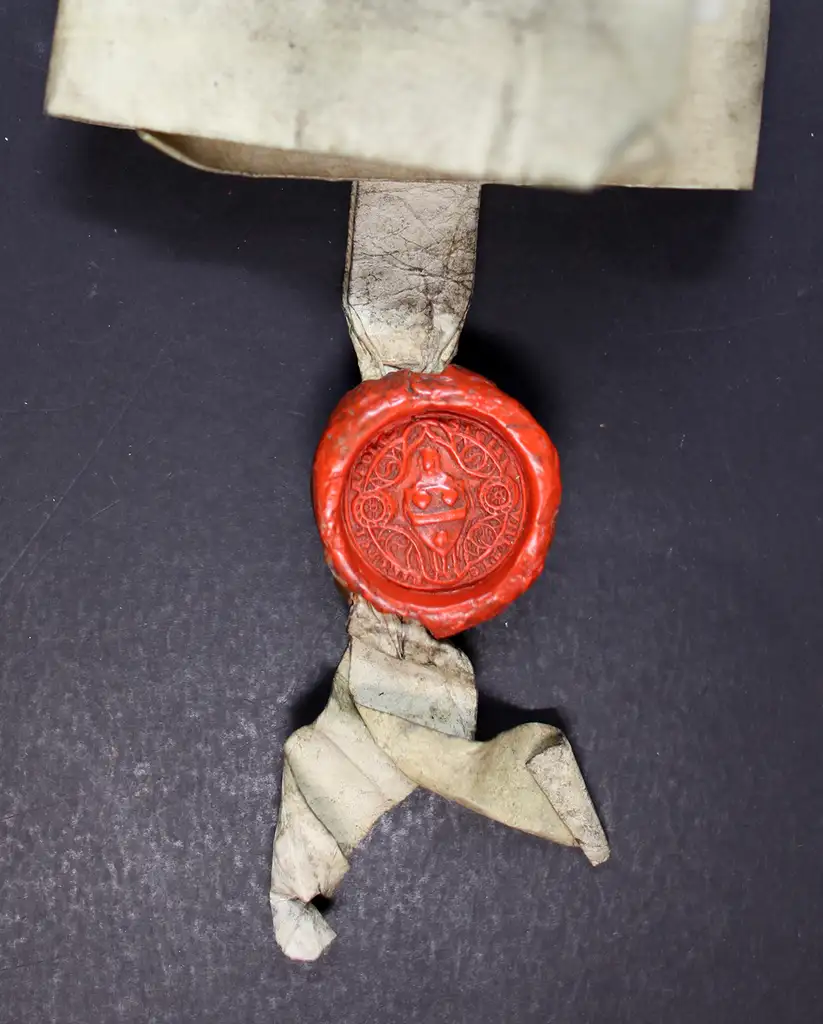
(410, 273)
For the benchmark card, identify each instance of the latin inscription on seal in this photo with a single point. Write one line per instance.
(436, 502)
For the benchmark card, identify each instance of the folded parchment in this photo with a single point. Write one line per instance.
(401, 714)
(522, 91)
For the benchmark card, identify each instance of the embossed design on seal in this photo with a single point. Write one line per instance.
(435, 496)
(435, 502)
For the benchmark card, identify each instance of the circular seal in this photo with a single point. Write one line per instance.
(435, 496)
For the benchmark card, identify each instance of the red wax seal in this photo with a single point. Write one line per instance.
(436, 496)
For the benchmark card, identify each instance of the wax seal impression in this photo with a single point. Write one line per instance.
(435, 496)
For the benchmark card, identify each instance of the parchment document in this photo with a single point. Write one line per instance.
(530, 92)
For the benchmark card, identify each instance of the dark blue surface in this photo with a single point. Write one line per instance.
(170, 345)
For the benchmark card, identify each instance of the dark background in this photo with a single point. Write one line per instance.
(170, 346)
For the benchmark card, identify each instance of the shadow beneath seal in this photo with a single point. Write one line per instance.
(308, 707)
(495, 716)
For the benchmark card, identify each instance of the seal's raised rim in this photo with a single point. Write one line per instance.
(375, 405)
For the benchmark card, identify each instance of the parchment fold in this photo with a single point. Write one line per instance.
(402, 714)
(527, 92)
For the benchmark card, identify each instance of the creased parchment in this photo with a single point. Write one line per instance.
(529, 92)
(401, 715)
(409, 276)
(403, 706)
